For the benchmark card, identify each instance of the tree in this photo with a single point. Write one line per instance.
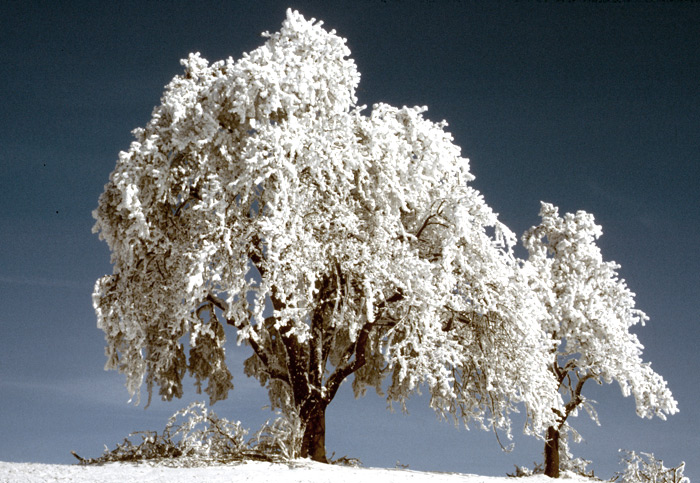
(336, 244)
(589, 313)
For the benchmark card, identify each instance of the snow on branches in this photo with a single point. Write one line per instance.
(589, 313)
(336, 243)
(590, 310)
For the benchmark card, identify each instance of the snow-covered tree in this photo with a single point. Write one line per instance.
(336, 244)
(589, 313)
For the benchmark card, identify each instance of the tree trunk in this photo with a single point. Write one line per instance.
(551, 453)
(313, 444)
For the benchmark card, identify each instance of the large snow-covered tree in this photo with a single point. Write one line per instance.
(333, 243)
(589, 313)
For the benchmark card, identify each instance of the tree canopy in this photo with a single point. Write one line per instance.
(334, 243)
(589, 313)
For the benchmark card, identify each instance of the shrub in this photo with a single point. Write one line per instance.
(645, 468)
(195, 436)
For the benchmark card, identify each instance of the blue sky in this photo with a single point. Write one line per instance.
(587, 105)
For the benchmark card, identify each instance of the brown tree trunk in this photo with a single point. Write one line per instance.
(551, 453)
(313, 444)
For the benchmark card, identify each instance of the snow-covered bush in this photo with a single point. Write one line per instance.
(196, 435)
(153, 446)
(204, 435)
(281, 437)
(645, 468)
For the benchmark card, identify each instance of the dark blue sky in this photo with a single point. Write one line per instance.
(588, 105)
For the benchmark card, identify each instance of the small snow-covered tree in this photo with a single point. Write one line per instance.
(589, 313)
(336, 244)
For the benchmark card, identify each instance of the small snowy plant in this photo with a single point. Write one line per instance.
(199, 432)
(588, 315)
(645, 468)
(280, 437)
(334, 243)
(196, 436)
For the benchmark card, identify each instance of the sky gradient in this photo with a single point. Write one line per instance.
(587, 105)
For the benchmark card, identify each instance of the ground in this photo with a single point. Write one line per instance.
(301, 471)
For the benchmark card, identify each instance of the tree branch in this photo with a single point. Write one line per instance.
(576, 398)
(349, 365)
(218, 302)
(427, 222)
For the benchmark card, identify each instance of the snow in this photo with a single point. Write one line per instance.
(297, 471)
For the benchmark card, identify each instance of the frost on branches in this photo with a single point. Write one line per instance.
(589, 313)
(259, 197)
(645, 468)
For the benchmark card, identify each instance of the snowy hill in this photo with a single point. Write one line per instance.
(296, 472)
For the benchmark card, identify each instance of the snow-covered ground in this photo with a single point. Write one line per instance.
(295, 472)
